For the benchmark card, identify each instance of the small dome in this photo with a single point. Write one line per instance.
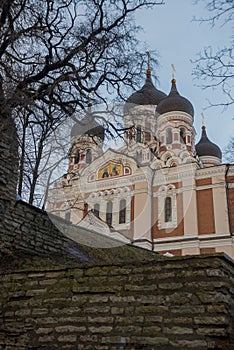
(207, 148)
(175, 102)
(147, 95)
(88, 126)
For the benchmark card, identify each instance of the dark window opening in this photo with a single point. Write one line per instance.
(122, 211)
(109, 208)
(182, 136)
(152, 152)
(88, 156)
(169, 136)
(138, 135)
(96, 210)
(77, 158)
(168, 209)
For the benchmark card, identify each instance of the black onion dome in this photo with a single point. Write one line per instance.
(147, 95)
(175, 102)
(207, 148)
(88, 126)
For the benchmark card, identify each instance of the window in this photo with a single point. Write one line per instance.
(152, 153)
(182, 136)
(167, 210)
(88, 156)
(77, 157)
(109, 208)
(96, 209)
(167, 207)
(138, 135)
(169, 136)
(122, 211)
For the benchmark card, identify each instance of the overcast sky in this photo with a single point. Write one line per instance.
(170, 31)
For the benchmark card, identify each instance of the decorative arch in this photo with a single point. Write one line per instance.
(167, 207)
(173, 161)
(119, 215)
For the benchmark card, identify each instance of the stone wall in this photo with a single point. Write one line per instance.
(27, 228)
(175, 303)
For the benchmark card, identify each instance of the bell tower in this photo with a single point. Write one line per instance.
(87, 138)
(139, 119)
(175, 131)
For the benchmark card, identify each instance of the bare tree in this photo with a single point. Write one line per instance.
(53, 54)
(216, 69)
(229, 151)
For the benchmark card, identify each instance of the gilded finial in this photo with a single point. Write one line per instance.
(173, 72)
(203, 120)
(149, 63)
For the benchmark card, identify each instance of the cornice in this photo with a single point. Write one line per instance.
(211, 171)
(171, 116)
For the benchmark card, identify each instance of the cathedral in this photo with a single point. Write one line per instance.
(159, 190)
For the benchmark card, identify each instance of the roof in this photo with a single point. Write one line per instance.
(88, 126)
(207, 148)
(175, 102)
(147, 95)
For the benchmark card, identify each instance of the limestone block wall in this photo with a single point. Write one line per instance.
(173, 303)
(28, 228)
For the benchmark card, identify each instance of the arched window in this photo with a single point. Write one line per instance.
(169, 136)
(88, 156)
(138, 134)
(96, 209)
(77, 157)
(109, 208)
(182, 135)
(122, 211)
(167, 210)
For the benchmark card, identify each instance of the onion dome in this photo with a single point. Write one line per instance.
(175, 102)
(88, 126)
(207, 148)
(147, 95)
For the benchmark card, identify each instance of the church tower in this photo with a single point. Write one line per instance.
(140, 121)
(175, 131)
(87, 138)
(208, 152)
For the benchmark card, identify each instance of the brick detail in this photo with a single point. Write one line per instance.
(207, 250)
(205, 212)
(203, 182)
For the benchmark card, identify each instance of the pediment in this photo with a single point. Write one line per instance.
(111, 164)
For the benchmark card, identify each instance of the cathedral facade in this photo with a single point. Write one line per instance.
(159, 190)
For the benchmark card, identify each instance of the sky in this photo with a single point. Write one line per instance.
(171, 32)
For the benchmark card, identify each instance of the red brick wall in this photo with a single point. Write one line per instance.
(207, 250)
(205, 212)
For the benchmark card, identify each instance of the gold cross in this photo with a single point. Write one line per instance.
(203, 119)
(149, 57)
(173, 70)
